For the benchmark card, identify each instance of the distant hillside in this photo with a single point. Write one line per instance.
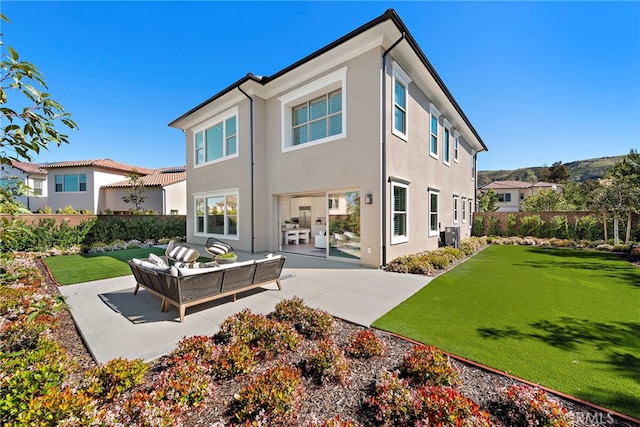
(580, 170)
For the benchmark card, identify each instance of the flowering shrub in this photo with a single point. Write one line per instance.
(395, 403)
(327, 363)
(142, 410)
(365, 344)
(273, 396)
(21, 334)
(57, 406)
(199, 347)
(268, 337)
(185, 384)
(427, 365)
(414, 264)
(437, 259)
(114, 378)
(529, 406)
(311, 323)
(231, 360)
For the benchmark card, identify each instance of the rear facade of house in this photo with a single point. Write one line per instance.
(359, 149)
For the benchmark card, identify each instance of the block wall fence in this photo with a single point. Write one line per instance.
(572, 218)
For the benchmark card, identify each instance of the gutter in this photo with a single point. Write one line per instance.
(384, 148)
(253, 234)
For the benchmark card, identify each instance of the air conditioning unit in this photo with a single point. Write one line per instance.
(452, 236)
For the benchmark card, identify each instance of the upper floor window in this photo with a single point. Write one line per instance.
(446, 144)
(71, 182)
(456, 144)
(433, 131)
(315, 113)
(504, 197)
(317, 119)
(401, 82)
(474, 161)
(37, 187)
(217, 214)
(217, 140)
(400, 212)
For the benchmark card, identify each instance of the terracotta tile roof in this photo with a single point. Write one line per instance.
(101, 163)
(30, 168)
(159, 177)
(508, 184)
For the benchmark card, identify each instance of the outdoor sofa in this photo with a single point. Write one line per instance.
(188, 286)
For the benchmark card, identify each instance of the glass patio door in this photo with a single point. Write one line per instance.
(344, 224)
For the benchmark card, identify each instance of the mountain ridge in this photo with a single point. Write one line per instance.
(579, 171)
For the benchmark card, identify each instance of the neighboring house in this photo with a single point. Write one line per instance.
(165, 191)
(364, 121)
(511, 194)
(78, 183)
(31, 175)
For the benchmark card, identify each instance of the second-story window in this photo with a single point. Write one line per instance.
(445, 146)
(433, 136)
(400, 96)
(317, 119)
(69, 183)
(218, 140)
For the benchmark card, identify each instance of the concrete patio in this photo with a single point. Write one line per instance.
(115, 323)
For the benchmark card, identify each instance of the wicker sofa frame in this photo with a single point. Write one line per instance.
(187, 291)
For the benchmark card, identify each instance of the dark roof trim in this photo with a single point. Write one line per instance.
(390, 14)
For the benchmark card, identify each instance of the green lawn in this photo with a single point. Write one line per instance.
(70, 269)
(566, 319)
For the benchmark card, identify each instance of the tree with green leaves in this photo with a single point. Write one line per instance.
(488, 201)
(25, 131)
(556, 173)
(136, 195)
(548, 200)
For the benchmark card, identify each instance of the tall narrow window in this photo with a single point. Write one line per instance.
(446, 145)
(456, 144)
(470, 210)
(433, 213)
(400, 108)
(455, 209)
(474, 159)
(400, 98)
(464, 210)
(433, 130)
(37, 187)
(399, 214)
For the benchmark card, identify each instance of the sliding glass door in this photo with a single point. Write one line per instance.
(344, 224)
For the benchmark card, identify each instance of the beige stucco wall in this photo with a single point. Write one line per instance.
(352, 163)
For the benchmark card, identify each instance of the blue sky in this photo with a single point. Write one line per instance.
(540, 81)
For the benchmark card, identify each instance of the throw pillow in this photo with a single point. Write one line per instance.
(155, 259)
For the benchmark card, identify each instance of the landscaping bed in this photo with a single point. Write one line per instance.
(195, 394)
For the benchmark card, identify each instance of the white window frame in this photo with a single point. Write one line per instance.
(38, 187)
(456, 145)
(336, 80)
(446, 142)
(434, 113)
(455, 209)
(63, 175)
(397, 73)
(220, 118)
(436, 232)
(404, 237)
(234, 192)
(464, 210)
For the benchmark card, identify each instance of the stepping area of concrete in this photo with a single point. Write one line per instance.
(115, 323)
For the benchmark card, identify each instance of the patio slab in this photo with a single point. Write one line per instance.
(115, 323)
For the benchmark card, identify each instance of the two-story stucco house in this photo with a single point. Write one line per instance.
(33, 177)
(512, 194)
(355, 152)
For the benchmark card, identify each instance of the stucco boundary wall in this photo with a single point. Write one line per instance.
(74, 220)
(572, 217)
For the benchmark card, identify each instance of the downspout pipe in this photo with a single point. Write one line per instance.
(384, 148)
(253, 231)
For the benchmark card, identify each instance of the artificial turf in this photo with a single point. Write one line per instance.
(564, 318)
(70, 269)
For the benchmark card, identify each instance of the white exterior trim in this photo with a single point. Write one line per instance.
(207, 124)
(398, 73)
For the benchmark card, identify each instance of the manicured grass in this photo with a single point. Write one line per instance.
(70, 269)
(566, 319)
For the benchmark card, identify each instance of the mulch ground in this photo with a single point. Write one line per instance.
(329, 400)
